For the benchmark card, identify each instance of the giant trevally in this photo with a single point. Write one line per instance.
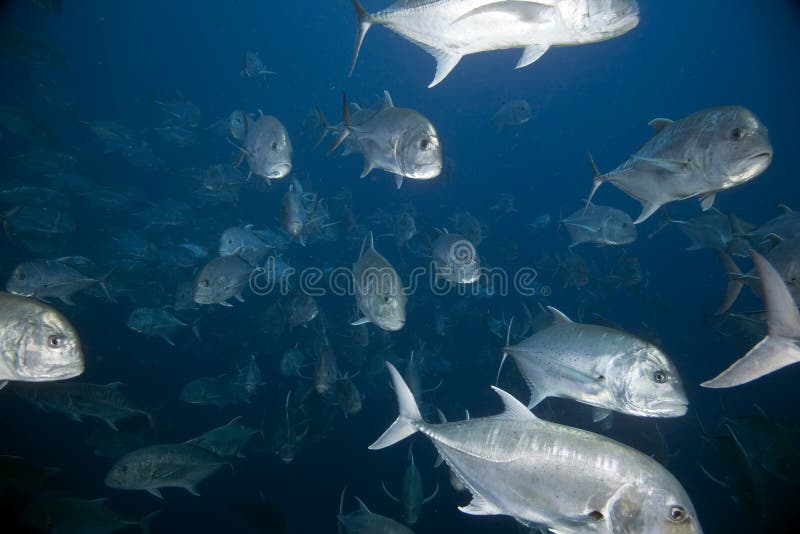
(380, 295)
(603, 367)
(181, 465)
(700, 155)
(267, 147)
(601, 225)
(397, 140)
(37, 343)
(781, 346)
(451, 29)
(412, 497)
(362, 521)
(548, 475)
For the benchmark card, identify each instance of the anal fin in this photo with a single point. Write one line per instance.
(479, 506)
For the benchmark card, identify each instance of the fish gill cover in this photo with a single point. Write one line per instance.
(254, 260)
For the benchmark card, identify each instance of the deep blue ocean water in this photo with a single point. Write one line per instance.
(684, 56)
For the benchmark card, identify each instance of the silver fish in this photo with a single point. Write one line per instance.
(412, 498)
(512, 113)
(455, 259)
(451, 29)
(267, 147)
(37, 343)
(397, 140)
(45, 279)
(221, 279)
(380, 294)
(181, 465)
(599, 366)
(362, 521)
(700, 155)
(512, 462)
(602, 225)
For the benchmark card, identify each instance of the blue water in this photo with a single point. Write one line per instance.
(684, 56)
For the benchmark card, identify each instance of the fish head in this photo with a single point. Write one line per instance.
(605, 19)
(419, 153)
(129, 473)
(270, 152)
(49, 351)
(24, 280)
(648, 383)
(663, 508)
(210, 287)
(619, 230)
(237, 124)
(739, 149)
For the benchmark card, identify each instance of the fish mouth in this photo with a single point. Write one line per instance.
(671, 408)
(761, 155)
(279, 171)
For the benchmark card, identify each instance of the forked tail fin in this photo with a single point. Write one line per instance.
(406, 423)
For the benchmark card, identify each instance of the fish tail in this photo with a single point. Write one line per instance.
(598, 181)
(144, 523)
(407, 422)
(505, 351)
(346, 129)
(364, 24)
(324, 126)
(735, 282)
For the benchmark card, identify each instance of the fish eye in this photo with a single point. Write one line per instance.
(424, 144)
(660, 376)
(737, 134)
(205, 283)
(19, 275)
(677, 514)
(53, 342)
(274, 145)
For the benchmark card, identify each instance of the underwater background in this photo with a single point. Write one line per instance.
(117, 58)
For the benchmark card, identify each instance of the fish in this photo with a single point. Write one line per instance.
(412, 498)
(348, 397)
(181, 465)
(712, 229)
(380, 296)
(779, 347)
(78, 400)
(242, 241)
(512, 113)
(293, 213)
(253, 67)
(511, 463)
(267, 147)
(601, 225)
(291, 439)
(221, 279)
(786, 226)
(155, 322)
(292, 361)
(301, 309)
(451, 29)
(456, 259)
(362, 521)
(37, 343)
(400, 141)
(603, 367)
(226, 441)
(57, 278)
(709, 151)
(223, 390)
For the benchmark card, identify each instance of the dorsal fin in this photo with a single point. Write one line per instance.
(514, 409)
(362, 505)
(367, 238)
(387, 100)
(784, 208)
(558, 316)
(659, 124)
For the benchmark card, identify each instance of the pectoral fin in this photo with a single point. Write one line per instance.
(671, 165)
(707, 201)
(360, 321)
(445, 62)
(531, 53)
(648, 208)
